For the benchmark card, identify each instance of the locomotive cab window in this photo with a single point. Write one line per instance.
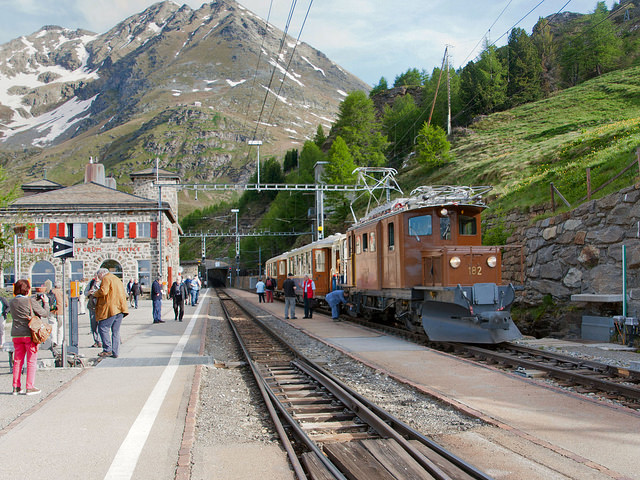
(420, 226)
(467, 225)
(391, 235)
(372, 241)
(365, 242)
(445, 228)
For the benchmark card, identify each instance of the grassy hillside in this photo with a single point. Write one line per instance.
(520, 151)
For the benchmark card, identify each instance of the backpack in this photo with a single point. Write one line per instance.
(269, 283)
(53, 302)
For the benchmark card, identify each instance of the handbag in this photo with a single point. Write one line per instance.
(39, 331)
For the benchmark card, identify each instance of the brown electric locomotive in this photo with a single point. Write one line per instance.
(420, 261)
(417, 261)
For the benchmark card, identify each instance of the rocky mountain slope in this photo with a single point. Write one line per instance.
(185, 85)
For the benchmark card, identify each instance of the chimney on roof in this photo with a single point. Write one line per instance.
(94, 172)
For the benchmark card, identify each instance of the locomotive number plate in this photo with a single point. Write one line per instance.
(475, 270)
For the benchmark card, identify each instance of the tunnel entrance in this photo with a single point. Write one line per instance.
(217, 277)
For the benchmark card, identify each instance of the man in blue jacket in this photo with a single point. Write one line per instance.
(334, 299)
(156, 298)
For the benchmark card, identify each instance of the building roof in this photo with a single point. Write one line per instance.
(43, 182)
(87, 197)
(151, 172)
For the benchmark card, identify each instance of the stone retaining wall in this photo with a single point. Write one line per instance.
(579, 251)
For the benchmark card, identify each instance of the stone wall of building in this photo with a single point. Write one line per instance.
(577, 252)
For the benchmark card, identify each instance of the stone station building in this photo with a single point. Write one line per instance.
(133, 235)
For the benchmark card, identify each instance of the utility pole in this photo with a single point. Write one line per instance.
(448, 94)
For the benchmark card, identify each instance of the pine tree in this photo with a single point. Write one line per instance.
(432, 147)
(320, 137)
(400, 123)
(381, 87)
(360, 129)
(524, 69)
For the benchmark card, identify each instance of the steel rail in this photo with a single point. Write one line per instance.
(366, 415)
(372, 415)
(270, 396)
(405, 429)
(564, 374)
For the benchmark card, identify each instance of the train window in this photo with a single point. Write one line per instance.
(320, 261)
(282, 264)
(445, 228)
(372, 241)
(420, 225)
(357, 245)
(365, 242)
(467, 225)
(391, 235)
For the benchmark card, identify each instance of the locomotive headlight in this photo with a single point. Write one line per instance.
(454, 262)
(492, 261)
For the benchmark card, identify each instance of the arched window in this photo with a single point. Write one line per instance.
(41, 272)
(113, 267)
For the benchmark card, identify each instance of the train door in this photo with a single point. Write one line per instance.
(432, 270)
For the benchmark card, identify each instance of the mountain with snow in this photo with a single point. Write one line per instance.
(188, 86)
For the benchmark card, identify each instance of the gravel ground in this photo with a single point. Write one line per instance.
(231, 408)
(236, 412)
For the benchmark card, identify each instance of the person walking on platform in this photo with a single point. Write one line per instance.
(260, 286)
(270, 286)
(308, 291)
(195, 288)
(3, 319)
(136, 291)
(91, 306)
(334, 299)
(289, 287)
(130, 291)
(111, 308)
(156, 298)
(179, 294)
(22, 308)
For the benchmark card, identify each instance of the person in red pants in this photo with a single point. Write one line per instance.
(22, 308)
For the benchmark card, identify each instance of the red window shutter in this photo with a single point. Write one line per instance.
(99, 230)
(120, 230)
(132, 229)
(154, 229)
(62, 229)
(31, 233)
(53, 230)
(90, 230)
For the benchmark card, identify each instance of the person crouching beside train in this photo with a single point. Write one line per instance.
(308, 291)
(289, 288)
(334, 299)
(22, 308)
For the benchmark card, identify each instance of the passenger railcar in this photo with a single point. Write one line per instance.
(321, 260)
(417, 261)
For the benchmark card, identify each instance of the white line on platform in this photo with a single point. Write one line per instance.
(129, 452)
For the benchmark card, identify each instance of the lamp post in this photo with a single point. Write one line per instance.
(257, 143)
(18, 231)
(235, 210)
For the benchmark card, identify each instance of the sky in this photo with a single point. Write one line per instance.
(368, 38)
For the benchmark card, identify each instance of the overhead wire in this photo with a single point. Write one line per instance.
(284, 76)
(255, 75)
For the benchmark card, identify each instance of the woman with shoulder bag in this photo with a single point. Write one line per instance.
(23, 307)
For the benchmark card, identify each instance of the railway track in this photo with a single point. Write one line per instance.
(329, 431)
(617, 384)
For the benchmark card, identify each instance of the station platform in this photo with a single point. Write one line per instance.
(599, 439)
(130, 417)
